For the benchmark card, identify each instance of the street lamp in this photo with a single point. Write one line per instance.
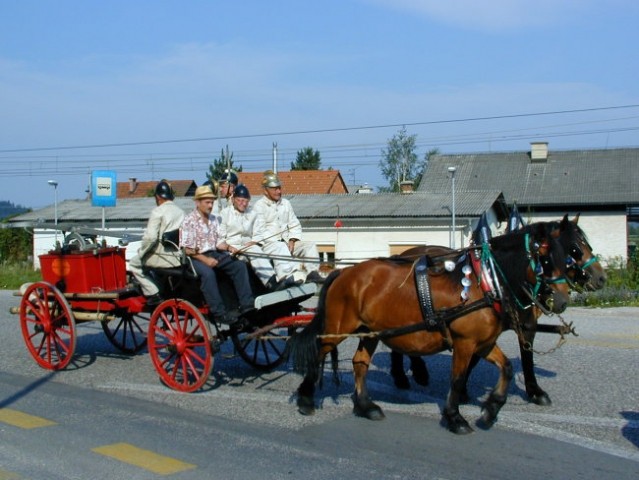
(452, 171)
(54, 184)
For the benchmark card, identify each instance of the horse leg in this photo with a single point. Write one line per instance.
(306, 390)
(363, 406)
(497, 397)
(454, 419)
(535, 393)
(397, 371)
(463, 394)
(420, 372)
(305, 395)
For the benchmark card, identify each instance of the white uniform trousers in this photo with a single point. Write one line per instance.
(283, 267)
(148, 287)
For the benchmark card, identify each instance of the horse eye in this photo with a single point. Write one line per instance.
(576, 253)
(547, 266)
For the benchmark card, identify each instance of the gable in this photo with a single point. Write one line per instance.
(298, 182)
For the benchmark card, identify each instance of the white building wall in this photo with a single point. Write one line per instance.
(606, 231)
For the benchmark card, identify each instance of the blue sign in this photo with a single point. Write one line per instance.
(103, 188)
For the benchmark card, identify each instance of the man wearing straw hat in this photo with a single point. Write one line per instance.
(200, 237)
(277, 223)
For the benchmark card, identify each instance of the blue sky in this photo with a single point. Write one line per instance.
(155, 89)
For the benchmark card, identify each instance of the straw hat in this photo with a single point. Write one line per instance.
(203, 192)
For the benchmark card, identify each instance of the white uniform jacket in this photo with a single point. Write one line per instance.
(276, 221)
(152, 252)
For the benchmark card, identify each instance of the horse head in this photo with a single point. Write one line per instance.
(583, 267)
(548, 264)
(532, 264)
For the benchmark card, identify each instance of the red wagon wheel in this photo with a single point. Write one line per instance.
(179, 345)
(128, 332)
(48, 326)
(268, 350)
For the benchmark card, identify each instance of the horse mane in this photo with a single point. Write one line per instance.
(510, 253)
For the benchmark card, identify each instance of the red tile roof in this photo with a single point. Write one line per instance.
(135, 189)
(296, 182)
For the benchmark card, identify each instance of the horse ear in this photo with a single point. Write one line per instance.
(576, 219)
(564, 223)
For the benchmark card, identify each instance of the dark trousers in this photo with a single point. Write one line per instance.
(235, 270)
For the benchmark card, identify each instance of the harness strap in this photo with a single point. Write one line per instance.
(446, 316)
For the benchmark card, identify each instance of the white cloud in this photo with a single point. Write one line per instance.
(495, 14)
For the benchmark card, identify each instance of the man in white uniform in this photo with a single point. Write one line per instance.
(276, 223)
(226, 187)
(236, 230)
(165, 217)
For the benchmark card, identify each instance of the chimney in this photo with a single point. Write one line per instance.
(538, 151)
(407, 186)
(133, 184)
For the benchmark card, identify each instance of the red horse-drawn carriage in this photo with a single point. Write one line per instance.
(90, 283)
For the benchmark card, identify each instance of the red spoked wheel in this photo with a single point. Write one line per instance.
(179, 345)
(48, 326)
(266, 348)
(128, 331)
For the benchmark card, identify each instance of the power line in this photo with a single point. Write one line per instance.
(328, 130)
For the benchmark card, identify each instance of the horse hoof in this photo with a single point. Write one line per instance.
(306, 411)
(372, 413)
(486, 421)
(305, 406)
(541, 399)
(460, 428)
(401, 382)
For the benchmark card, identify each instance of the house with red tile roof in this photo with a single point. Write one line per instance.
(299, 182)
(135, 189)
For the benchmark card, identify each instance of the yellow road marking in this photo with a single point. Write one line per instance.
(4, 475)
(146, 459)
(23, 420)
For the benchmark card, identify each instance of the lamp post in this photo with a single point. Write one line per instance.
(452, 171)
(54, 184)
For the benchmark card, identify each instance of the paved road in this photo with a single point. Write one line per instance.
(591, 430)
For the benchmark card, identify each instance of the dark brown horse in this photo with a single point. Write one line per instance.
(380, 297)
(583, 272)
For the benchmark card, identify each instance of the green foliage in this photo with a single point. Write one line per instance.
(622, 286)
(14, 274)
(16, 244)
(219, 165)
(400, 162)
(307, 159)
(16, 250)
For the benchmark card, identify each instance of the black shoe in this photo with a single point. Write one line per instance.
(285, 283)
(246, 309)
(154, 300)
(224, 318)
(314, 277)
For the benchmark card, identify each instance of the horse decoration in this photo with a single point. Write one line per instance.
(378, 300)
(583, 271)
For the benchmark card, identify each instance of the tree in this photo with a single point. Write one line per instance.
(307, 159)
(219, 165)
(399, 162)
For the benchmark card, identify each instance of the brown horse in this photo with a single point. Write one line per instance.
(380, 296)
(583, 271)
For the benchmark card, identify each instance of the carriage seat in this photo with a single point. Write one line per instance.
(170, 241)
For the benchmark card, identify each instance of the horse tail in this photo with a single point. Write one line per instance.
(305, 345)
